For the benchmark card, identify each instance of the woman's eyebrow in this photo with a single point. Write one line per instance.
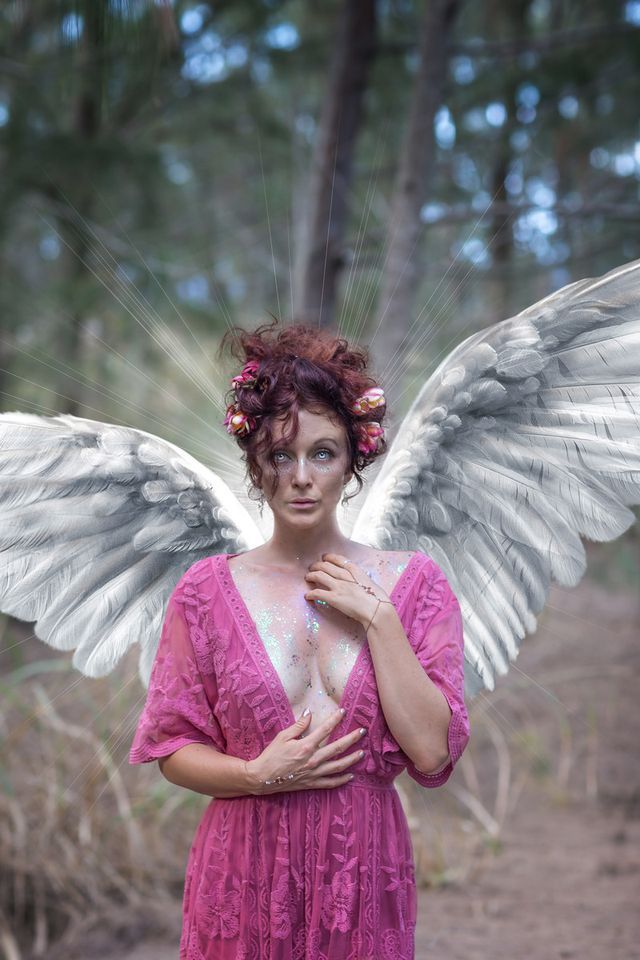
(324, 440)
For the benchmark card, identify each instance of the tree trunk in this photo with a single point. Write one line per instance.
(16, 46)
(321, 258)
(500, 229)
(415, 174)
(86, 125)
(512, 23)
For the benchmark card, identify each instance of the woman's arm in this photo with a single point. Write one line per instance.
(416, 711)
(205, 770)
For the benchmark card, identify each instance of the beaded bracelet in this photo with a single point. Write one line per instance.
(268, 783)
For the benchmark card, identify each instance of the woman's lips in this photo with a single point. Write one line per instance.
(302, 503)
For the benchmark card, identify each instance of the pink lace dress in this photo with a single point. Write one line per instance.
(324, 874)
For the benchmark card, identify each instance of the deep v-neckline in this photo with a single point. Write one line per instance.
(244, 619)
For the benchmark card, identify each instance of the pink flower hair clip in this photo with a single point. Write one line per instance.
(371, 434)
(371, 399)
(248, 377)
(237, 422)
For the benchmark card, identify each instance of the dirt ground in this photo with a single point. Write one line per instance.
(562, 879)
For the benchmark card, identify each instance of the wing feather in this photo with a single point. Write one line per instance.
(98, 522)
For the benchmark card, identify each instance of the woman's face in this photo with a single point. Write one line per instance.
(314, 466)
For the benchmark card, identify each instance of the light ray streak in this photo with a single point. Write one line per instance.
(110, 394)
(266, 207)
(55, 412)
(424, 340)
(107, 260)
(326, 245)
(510, 730)
(397, 356)
(138, 298)
(512, 216)
(360, 235)
(143, 260)
(215, 399)
(113, 740)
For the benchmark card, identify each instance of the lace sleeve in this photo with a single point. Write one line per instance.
(437, 639)
(178, 708)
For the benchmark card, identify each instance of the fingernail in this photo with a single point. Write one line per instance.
(342, 711)
(306, 712)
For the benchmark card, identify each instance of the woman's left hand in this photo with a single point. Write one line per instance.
(342, 587)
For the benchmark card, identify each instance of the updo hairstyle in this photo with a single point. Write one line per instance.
(299, 367)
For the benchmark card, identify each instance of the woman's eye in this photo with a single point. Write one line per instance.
(328, 452)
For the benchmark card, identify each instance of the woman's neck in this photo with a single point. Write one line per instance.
(301, 547)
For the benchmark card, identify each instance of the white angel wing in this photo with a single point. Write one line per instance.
(98, 522)
(526, 437)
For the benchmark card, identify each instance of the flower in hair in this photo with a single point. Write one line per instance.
(248, 377)
(237, 422)
(371, 434)
(371, 399)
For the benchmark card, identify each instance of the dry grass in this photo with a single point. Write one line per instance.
(86, 841)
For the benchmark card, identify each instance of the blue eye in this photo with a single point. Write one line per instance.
(326, 451)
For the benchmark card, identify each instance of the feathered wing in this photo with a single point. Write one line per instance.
(98, 522)
(525, 438)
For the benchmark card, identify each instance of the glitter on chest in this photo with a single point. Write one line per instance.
(310, 657)
(312, 649)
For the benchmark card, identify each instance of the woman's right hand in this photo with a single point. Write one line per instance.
(314, 766)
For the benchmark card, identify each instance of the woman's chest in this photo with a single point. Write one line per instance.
(311, 646)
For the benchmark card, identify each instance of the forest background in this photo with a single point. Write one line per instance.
(405, 172)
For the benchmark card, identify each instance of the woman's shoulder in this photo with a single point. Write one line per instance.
(400, 558)
(199, 571)
(427, 573)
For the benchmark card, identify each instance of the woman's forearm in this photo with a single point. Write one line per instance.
(416, 711)
(205, 770)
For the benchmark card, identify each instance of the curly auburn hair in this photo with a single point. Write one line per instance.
(299, 367)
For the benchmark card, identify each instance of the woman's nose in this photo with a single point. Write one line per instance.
(301, 470)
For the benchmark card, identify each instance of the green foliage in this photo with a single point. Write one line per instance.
(155, 161)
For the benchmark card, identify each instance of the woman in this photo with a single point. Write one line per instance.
(295, 681)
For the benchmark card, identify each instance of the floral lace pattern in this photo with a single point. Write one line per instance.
(307, 874)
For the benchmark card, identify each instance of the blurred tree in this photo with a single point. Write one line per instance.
(183, 202)
(416, 169)
(322, 255)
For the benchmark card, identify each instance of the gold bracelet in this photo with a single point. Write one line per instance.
(367, 588)
(379, 599)
(268, 783)
(374, 613)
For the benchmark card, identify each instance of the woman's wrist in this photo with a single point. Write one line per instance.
(385, 615)
(254, 778)
(377, 606)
